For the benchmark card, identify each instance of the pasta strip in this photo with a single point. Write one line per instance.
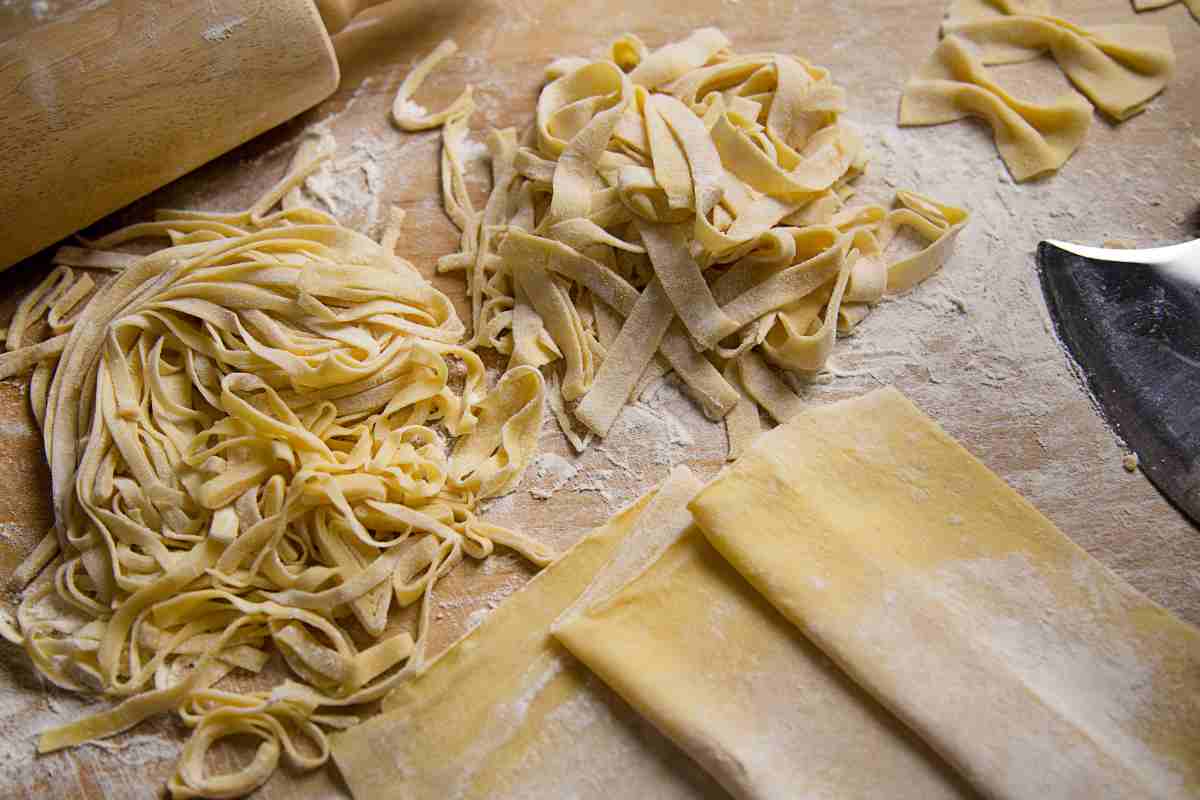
(241, 434)
(410, 117)
(684, 284)
(708, 192)
(1119, 68)
(627, 359)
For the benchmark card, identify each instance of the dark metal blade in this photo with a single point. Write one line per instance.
(1135, 334)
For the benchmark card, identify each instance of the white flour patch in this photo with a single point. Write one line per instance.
(499, 506)
(18, 426)
(349, 185)
(659, 399)
(39, 10)
(552, 472)
(220, 31)
(473, 150)
(476, 617)
(14, 531)
(409, 108)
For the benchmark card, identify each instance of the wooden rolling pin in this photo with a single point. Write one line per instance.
(109, 104)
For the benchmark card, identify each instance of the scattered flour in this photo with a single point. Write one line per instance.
(40, 10)
(552, 472)
(658, 399)
(220, 31)
(131, 765)
(477, 616)
(352, 184)
(473, 150)
(349, 186)
(413, 109)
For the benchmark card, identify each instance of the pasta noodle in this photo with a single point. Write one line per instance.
(249, 429)
(680, 207)
(248, 432)
(1119, 68)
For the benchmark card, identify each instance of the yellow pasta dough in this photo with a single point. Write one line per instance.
(506, 712)
(249, 434)
(1150, 5)
(1029, 666)
(1119, 68)
(692, 200)
(702, 655)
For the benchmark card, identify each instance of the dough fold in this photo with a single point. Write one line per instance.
(506, 712)
(962, 609)
(697, 651)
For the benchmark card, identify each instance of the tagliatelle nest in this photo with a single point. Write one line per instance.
(680, 209)
(247, 435)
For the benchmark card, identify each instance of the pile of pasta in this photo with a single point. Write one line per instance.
(1116, 68)
(684, 209)
(264, 438)
(271, 436)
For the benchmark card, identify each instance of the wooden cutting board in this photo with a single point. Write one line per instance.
(972, 345)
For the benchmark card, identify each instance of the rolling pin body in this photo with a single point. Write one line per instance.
(104, 107)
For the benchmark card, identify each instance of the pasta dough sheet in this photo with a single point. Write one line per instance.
(506, 712)
(695, 649)
(1032, 668)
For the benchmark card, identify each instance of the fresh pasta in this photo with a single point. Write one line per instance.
(1151, 5)
(1118, 68)
(272, 434)
(681, 208)
(264, 437)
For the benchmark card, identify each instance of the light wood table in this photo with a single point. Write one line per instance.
(973, 345)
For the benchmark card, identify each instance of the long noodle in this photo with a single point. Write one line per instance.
(263, 437)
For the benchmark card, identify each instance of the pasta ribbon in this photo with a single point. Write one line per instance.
(677, 209)
(263, 438)
(1118, 68)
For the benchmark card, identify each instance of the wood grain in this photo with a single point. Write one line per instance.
(972, 345)
(120, 99)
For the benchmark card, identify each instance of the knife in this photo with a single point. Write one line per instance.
(1130, 319)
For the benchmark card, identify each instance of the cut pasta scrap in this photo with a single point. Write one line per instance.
(1118, 68)
(1152, 5)
(1032, 139)
(411, 117)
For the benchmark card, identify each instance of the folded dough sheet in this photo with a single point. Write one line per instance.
(1027, 664)
(508, 713)
(693, 647)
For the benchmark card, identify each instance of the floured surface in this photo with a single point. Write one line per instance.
(972, 345)
(960, 607)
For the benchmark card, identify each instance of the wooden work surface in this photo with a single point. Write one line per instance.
(973, 345)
